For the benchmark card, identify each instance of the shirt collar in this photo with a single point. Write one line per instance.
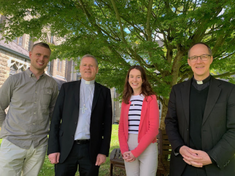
(30, 74)
(203, 81)
(92, 82)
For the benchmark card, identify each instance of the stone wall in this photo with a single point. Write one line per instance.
(4, 69)
(7, 60)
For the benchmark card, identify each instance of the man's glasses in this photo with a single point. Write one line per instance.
(203, 57)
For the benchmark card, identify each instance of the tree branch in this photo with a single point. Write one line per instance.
(149, 11)
(224, 74)
(119, 21)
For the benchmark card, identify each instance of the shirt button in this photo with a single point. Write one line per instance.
(34, 113)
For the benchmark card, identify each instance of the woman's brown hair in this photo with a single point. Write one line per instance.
(146, 88)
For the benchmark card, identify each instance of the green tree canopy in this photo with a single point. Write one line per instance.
(120, 33)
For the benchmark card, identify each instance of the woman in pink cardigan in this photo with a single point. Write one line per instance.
(138, 127)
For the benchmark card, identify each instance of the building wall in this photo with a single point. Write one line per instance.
(71, 74)
(10, 64)
(4, 69)
(116, 105)
(26, 42)
(59, 69)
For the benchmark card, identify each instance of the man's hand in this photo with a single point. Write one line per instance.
(100, 159)
(54, 157)
(128, 156)
(201, 157)
(196, 158)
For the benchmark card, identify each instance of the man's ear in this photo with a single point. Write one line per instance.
(30, 54)
(212, 59)
(188, 62)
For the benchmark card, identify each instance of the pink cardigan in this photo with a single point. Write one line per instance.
(148, 127)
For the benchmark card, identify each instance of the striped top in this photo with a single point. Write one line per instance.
(135, 113)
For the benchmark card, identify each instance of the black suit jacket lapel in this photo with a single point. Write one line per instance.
(213, 94)
(77, 94)
(185, 92)
(96, 95)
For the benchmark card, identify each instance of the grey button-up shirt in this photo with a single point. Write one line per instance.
(31, 103)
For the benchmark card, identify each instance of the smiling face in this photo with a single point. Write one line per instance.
(39, 57)
(88, 68)
(201, 69)
(135, 81)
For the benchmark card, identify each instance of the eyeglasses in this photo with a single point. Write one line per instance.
(203, 57)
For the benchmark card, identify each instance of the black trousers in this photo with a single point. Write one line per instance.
(79, 156)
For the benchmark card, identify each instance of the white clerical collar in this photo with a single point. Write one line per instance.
(199, 82)
(203, 81)
(87, 82)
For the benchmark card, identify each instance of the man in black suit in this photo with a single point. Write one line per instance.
(81, 124)
(200, 121)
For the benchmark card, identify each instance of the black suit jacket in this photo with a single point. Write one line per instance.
(65, 119)
(218, 127)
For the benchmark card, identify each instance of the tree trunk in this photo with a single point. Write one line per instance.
(164, 112)
(164, 145)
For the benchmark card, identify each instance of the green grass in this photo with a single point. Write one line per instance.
(48, 168)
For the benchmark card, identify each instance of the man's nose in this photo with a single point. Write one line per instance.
(41, 57)
(199, 59)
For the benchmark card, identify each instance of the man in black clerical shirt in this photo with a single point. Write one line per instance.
(200, 121)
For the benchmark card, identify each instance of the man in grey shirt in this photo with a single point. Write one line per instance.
(31, 96)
